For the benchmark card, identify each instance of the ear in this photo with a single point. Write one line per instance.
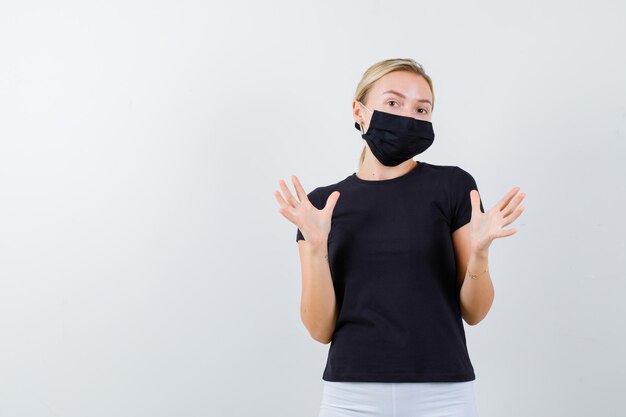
(360, 116)
(357, 113)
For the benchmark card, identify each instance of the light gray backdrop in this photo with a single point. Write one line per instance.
(145, 269)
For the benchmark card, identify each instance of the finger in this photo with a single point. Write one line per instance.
(513, 204)
(299, 189)
(506, 233)
(475, 201)
(331, 201)
(288, 215)
(285, 209)
(511, 218)
(280, 199)
(507, 198)
(290, 199)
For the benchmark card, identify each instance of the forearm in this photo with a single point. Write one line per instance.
(318, 307)
(476, 294)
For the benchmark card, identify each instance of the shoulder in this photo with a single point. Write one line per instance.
(461, 173)
(320, 193)
(453, 174)
(447, 170)
(447, 176)
(463, 177)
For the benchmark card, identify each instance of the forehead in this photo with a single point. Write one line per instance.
(409, 84)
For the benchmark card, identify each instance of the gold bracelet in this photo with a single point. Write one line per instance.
(475, 276)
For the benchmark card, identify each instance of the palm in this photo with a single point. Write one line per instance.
(313, 223)
(487, 226)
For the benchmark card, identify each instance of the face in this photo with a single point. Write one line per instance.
(399, 92)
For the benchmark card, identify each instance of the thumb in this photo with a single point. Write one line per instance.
(331, 201)
(475, 200)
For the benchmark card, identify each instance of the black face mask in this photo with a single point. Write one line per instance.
(394, 139)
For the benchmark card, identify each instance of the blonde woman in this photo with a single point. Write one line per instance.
(394, 257)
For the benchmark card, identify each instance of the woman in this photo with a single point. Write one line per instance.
(392, 267)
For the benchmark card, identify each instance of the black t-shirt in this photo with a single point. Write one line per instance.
(395, 278)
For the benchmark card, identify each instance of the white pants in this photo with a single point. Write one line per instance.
(398, 399)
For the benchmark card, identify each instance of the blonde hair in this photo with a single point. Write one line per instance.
(382, 68)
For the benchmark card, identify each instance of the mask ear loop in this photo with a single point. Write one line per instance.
(361, 124)
(365, 107)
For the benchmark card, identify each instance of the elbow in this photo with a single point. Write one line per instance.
(321, 331)
(320, 335)
(475, 314)
(323, 339)
(474, 317)
(473, 321)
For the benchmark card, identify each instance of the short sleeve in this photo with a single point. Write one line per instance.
(314, 197)
(461, 185)
(299, 236)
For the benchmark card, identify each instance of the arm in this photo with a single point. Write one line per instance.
(476, 295)
(318, 309)
(471, 246)
(318, 306)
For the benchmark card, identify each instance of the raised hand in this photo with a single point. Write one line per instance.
(313, 223)
(487, 226)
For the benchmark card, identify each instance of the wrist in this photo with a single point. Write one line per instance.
(478, 264)
(479, 254)
(318, 246)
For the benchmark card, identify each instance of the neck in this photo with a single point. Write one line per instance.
(373, 170)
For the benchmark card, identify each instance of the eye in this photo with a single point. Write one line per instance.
(425, 111)
(391, 101)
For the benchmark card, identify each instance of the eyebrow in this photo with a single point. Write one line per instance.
(423, 100)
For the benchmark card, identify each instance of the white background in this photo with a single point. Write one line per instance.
(145, 269)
